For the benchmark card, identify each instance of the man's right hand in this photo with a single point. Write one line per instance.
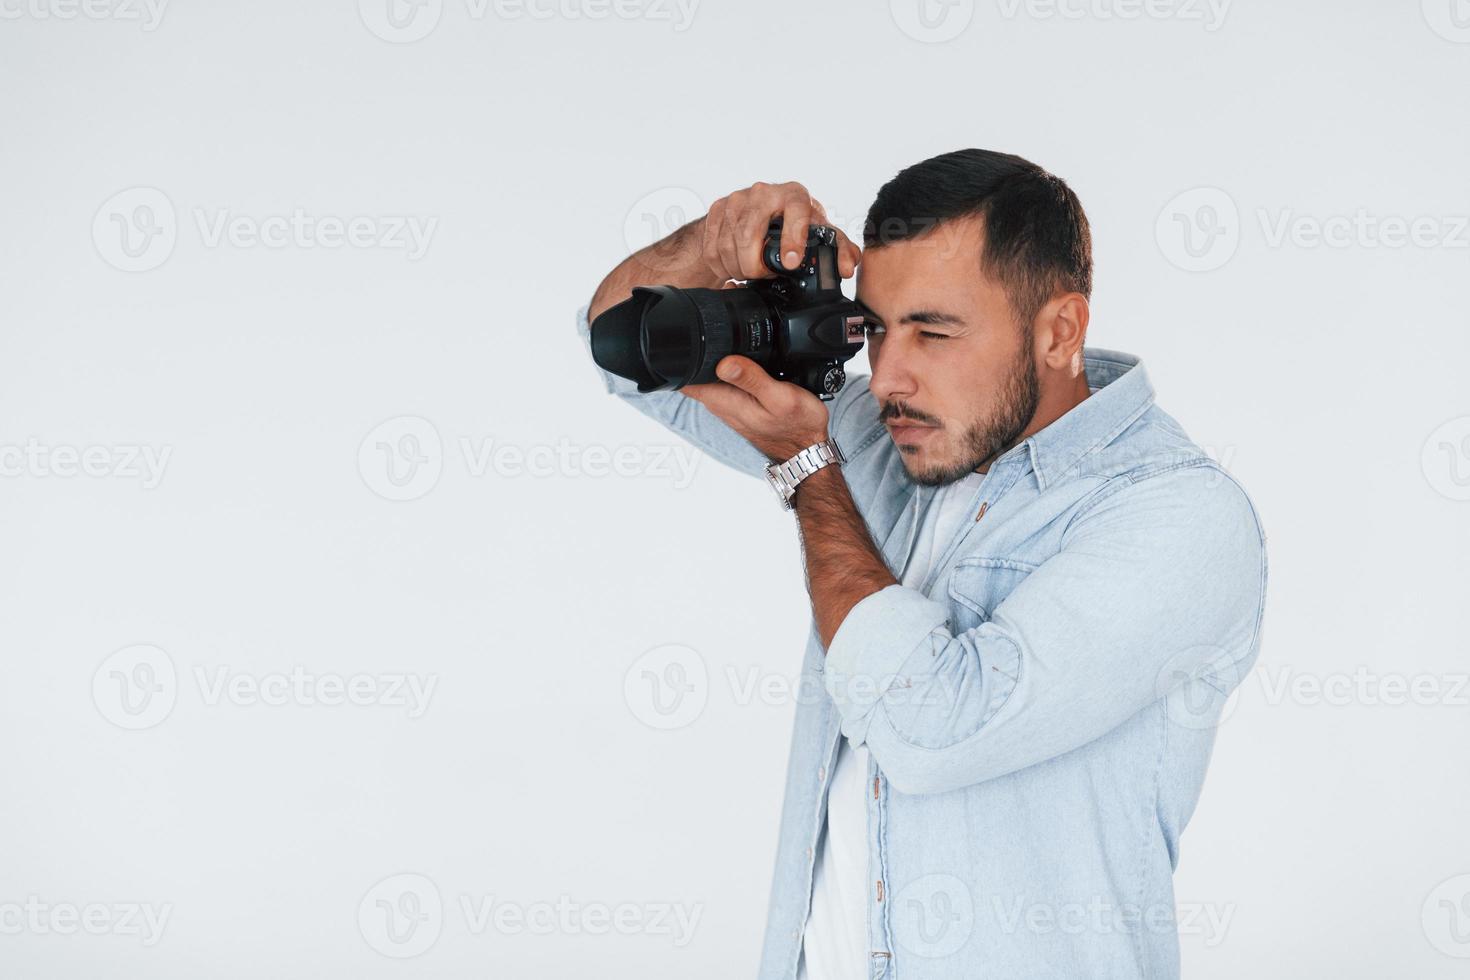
(726, 244)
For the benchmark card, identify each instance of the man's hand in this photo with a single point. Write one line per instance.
(726, 244)
(776, 417)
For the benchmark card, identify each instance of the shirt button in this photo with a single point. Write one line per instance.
(821, 773)
(808, 853)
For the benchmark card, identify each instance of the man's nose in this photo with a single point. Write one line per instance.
(892, 379)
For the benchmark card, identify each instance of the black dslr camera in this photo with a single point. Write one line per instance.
(798, 325)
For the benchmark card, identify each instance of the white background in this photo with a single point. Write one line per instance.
(537, 151)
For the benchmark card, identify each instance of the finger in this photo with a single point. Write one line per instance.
(724, 400)
(748, 376)
(714, 225)
(752, 238)
(848, 255)
(796, 218)
(729, 244)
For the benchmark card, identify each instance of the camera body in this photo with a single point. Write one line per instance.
(797, 325)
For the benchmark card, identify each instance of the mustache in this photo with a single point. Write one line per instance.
(898, 410)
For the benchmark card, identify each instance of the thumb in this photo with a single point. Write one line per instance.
(744, 374)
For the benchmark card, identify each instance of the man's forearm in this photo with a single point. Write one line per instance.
(671, 261)
(843, 565)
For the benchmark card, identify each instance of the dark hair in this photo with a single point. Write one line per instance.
(1037, 242)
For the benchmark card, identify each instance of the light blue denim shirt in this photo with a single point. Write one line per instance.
(1039, 715)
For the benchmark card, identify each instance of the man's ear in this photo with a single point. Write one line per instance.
(1061, 330)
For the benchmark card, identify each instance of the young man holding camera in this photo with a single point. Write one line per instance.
(1031, 591)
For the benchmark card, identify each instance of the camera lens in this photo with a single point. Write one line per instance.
(666, 337)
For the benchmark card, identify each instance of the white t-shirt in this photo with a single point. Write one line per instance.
(835, 943)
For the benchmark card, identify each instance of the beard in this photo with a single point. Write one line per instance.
(999, 429)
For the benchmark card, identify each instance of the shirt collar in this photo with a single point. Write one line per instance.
(1120, 392)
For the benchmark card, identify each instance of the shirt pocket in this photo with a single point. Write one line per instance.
(977, 585)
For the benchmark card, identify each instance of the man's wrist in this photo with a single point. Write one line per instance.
(787, 477)
(820, 483)
(785, 451)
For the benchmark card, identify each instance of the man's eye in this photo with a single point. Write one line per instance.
(933, 336)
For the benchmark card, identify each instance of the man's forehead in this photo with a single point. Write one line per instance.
(888, 281)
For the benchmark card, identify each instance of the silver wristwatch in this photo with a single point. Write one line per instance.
(785, 476)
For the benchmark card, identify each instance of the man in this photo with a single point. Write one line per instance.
(1031, 591)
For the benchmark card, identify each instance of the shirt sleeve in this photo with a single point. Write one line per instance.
(1158, 585)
